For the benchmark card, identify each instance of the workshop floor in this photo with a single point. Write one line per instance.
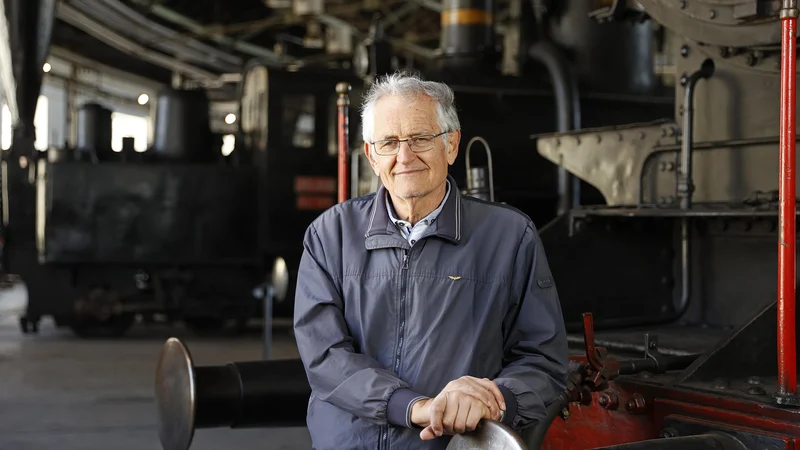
(61, 392)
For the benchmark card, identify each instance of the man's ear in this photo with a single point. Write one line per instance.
(372, 162)
(453, 139)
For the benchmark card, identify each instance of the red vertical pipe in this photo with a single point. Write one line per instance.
(343, 104)
(787, 358)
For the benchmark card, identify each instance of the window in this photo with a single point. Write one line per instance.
(298, 120)
(126, 125)
(41, 123)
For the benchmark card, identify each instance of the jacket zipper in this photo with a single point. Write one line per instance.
(402, 311)
(404, 287)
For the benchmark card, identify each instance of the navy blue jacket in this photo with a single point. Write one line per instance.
(380, 322)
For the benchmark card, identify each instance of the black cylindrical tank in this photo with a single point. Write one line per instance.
(467, 34)
(182, 129)
(612, 57)
(94, 133)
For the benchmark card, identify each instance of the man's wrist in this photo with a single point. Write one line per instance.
(416, 413)
(398, 412)
(511, 405)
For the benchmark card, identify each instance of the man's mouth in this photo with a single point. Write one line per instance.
(408, 172)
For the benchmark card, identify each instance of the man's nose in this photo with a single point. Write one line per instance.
(404, 153)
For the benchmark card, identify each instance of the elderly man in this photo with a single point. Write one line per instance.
(420, 312)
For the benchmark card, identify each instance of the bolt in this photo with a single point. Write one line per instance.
(750, 59)
(635, 404)
(608, 400)
(683, 4)
(668, 433)
(685, 51)
(712, 14)
(756, 390)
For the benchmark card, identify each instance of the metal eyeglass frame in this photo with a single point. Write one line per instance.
(407, 141)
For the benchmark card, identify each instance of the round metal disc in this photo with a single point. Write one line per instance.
(489, 435)
(175, 395)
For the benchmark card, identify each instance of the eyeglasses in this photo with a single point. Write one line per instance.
(417, 144)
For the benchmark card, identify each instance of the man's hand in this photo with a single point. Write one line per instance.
(459, 407)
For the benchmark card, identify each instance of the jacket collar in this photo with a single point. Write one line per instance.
(447, 224)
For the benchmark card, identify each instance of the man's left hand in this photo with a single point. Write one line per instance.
(482, 389)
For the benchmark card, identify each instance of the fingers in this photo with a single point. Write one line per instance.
(437, 409)
(427, 434)
(454, 401)
(465, 405)
(475, 415)
(472, 386)
(494, 389)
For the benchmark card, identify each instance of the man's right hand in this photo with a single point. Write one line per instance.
(458, 408)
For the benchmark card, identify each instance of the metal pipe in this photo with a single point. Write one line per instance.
(253, 394)
(343, 104)
(787, 274)
(685, 183)
(75, 18)
(199, 29)
(685, 189)
(127, 21)
(568, 114)
(470, 180)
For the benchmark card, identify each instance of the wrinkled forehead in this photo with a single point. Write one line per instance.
(401, 115)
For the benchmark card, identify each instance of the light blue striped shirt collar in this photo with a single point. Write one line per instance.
(413, 233)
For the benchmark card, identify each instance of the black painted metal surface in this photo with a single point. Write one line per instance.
(144, 214)
(620, 271)
(182, 130)
(238, 395)
(94, 133)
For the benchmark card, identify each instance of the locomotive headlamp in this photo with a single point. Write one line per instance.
(280, 279)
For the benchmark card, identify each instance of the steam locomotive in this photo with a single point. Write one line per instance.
(678, 286)
(182, 233)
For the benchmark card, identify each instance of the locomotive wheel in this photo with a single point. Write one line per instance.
(112, 327)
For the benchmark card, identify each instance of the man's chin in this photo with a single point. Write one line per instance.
(409, 193)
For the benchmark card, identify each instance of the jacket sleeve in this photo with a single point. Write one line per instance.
(535, 361)
(337, 374)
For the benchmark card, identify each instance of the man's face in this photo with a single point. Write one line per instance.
(410, 175)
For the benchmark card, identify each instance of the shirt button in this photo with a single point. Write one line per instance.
(413, 241)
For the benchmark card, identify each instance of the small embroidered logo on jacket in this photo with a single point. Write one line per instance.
(453, 277)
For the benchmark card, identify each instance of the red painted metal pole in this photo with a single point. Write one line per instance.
(343, 104)
(787, 357)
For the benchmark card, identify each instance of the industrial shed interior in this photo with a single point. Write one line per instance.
(161, 161)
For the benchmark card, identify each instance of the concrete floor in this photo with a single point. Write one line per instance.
(61, 392)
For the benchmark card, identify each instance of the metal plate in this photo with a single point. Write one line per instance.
(175, 395)
(716, 22)
(489, 435)
(609, 158)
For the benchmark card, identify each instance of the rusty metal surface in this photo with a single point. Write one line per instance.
(641, 408)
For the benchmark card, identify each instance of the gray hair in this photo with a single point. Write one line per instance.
(409, 85)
